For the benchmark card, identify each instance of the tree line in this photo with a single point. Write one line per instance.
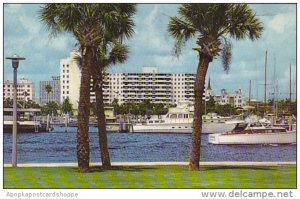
(51, 108)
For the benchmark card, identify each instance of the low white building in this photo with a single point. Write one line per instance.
(25, 89)
(235, 99)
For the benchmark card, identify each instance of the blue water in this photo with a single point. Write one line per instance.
(58, 146)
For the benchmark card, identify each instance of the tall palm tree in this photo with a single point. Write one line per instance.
(87, 22)
(48, 89)
(212, 25)
(103, 59)
(110, 52)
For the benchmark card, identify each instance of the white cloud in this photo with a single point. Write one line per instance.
(281, 22)
(13, 8)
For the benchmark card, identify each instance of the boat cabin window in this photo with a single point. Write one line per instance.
(240, 126)
(255, 124)
(173, 116)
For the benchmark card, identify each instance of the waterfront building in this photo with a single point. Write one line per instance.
(157, 87)
(54, 95)
(149, 84)
(167, 88)
(70, 78)
(235, 99)
(25, 89)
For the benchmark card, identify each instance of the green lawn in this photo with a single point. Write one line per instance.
(152, 177)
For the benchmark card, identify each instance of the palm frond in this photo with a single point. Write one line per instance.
(182, 31)
(243, 22)
(226, 54)
(118, 54)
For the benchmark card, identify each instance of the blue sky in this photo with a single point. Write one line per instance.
(152, 45)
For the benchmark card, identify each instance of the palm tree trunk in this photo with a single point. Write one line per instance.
(105, 158)
(197, 123)
(83, 147)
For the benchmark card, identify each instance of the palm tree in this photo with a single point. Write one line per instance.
(88, 23)
(104, 59)
(48, 89)
(67, 106)
(212, 25)
(110, 52)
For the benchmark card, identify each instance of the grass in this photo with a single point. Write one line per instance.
(152, 177)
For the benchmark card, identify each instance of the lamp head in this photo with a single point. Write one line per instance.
(15, 60)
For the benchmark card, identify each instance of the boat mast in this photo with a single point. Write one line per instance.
(250, 93)
(265, 98)
(290, 82)
(290, 88)
(275, 89)
(265, 84)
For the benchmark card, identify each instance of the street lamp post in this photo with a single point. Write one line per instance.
(15, 63)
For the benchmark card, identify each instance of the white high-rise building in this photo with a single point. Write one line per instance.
(135, 87)
(149, 84)
(25, 89)
(70, 78)
(167, 88)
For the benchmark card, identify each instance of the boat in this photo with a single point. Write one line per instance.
(180, 120)
(254, 133)
(27, 121)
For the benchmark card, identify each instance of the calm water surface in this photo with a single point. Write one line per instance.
(58, 146)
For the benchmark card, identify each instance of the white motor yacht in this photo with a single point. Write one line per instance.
(180, 120)
(254, 133)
